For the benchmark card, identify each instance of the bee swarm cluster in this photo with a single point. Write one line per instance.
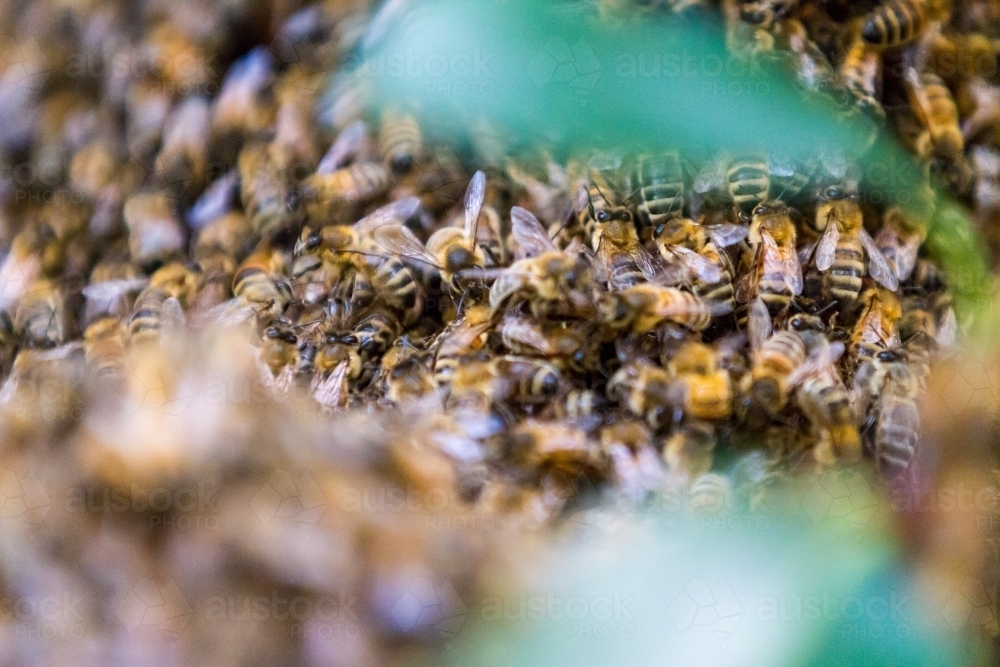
(204, 283)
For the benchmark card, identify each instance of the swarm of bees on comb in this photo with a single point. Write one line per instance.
(203, 280)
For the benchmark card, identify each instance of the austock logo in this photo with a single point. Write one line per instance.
(290, 497)
(156, 605)
(429, 608)
(22, 497)
(558, 62)
(703, 605)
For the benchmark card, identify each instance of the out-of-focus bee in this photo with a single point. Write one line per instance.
(400, 141)
(620, 258)
(821, 395)
(20, 269)
(155, 235)
(898, 22)
(932, 103)
(661, 183)
(689, 449)
(841, 251)
(860, 73)
(548, 447)
(553, 282)
(699, 388)
(41, 318)
(710, 493)
(644, 390)
(452, 250)
(160, 306)
(112, 285)
(293, 130)
(698, 249)
(528, 380)
(105, 342)
(765, 13)
(584, 407)
(643, 308)
(890, 403)
(182, 163)
(748, 181)
(229, 234)
(774, 274)
(245, 106)
(337, 195)
(899, 240)
(567, 346)
(877, 327)
(266, 188)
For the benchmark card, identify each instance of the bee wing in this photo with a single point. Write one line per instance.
(475, 195)
(793, 271)
(704, 269)
(529, 233)
(112, 289)
(329, 392)
(827, 247)
(947, 331)
(806, 252)
(393, 213)
(878, 265)
(746, 286)
(727, 234)
(649, 265)
(526, 332)
(675, 273)
(758, 323)
(347, 145)
(172, 318)
(821, 357)
(907, 259)
(228, 313)
(461, 338)
(605, 161)
(921, 105)
(711, 176)
(400, 240)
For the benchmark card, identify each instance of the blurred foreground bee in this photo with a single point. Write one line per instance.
(898, 22)
(266, 188)
(845, 242)
(41, 318)
(160, 306)
(105, 342)
(155, 234)
(400, 140)
(934, 106)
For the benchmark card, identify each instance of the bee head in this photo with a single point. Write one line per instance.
(459, 257)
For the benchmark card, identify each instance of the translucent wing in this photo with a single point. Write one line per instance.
(217, 200)
(346, 146)
(821, 357)
(878, 266)
(947, 331)
(727, 234)
(672, 274)
(396, 213)
(701, 267)
(525, 332)
(475, 195)
(758, 323)
(172, 318)
(528, 233)
(711, 177)
(605, 161)
(460, 340)
(827, 247)
(746, 286)
(647, 263)
(329, 392)
(400, 240)
(806, 253)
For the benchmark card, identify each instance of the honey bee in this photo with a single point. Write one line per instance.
(709, 493)
(700, 389)
(899, 240)
(105, 342)
(41, 317)
(548, 448)
(843, 246)
(337, 195)
(462, 337)
(698, 249)
(259, 284)
(266, 189)
(860, 74)
(878, 326)
(337, 364)
(155, 235)
(933, 104)
(159, 308)
(583, 407)
(620, 257)
(229, 235)
(765, 13)
(400, 141)
(597, 198)
(21, 267)
(566, 346)
(748, 181)
(406, 373)
(553, 282)
(643, 308)
(111, 288)
(528, 380)
(279, 357)
(892, 419)
(451, 250)
(182, 163)
(660, 181)
(245, 105)
(644, 390)
(897, 22)
(766, 388)
(824, 400)
(690, 449)
(774, 275)
(375, 333)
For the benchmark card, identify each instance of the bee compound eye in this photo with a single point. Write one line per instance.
(550, 385)
(834, 193)
(271, 332)
(312, 242)
(351, 339)
(760, 210)
(602, 216)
